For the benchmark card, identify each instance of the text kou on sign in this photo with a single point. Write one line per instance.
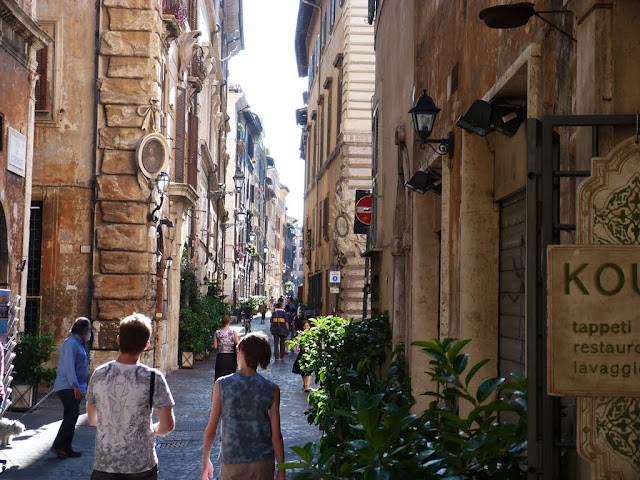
(594, 320)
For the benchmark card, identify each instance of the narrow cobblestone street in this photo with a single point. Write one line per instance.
(180, 452)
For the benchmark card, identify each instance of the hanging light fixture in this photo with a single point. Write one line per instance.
(238, 180)
(517, 15)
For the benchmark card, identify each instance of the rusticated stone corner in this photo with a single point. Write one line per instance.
(124, 212)
(123, 116)
(126, 19)
(118, 309)
(135, 4)
(130, 44)
(119, 187)
(124, 287)
(119, 138)
(122, 237)
(119, 162)
(134, 67)
(127, 91)
(126, 262)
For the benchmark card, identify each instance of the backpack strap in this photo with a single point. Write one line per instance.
(152, 385)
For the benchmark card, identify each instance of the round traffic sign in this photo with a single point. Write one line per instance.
(364, 209)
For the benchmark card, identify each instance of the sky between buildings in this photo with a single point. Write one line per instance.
(267, 73)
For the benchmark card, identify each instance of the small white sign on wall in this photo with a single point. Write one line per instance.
(17, 152)
(334, 276)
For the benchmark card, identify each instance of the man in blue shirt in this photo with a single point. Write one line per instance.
(71, 383)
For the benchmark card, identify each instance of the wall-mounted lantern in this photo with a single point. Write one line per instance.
(424, 114)
(161, 183)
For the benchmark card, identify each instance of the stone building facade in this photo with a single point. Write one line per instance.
(151, 102)
(467, 258)
(20, 40)
(334, 49)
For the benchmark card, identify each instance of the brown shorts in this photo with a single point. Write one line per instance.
(263, 470)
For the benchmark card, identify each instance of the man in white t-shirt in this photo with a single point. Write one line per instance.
(120, 399)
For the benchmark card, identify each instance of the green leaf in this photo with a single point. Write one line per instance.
(429, 345)
(456, 349)
(374, 401)
(450, 380)
(460, 363)
(474, 370)
(488, 387)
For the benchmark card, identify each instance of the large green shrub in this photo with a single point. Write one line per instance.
(364, 412)
(199, 314)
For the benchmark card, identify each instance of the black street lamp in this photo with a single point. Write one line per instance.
(424, 114)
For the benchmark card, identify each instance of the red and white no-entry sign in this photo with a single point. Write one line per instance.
(363, 209)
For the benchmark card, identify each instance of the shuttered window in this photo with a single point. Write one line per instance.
(180, 135)
(41, 83)
(325, 219)
(193, 151)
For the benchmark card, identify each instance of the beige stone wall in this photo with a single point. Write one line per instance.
(64, 167)
(343, 159)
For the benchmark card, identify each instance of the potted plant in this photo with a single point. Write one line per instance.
(32, 351)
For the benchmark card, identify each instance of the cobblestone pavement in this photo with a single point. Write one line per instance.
(180, 452)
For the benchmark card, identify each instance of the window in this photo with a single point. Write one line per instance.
(45, 84)
(193, 14)
(339, 103)
(321, 139)
(325, 219)
(375, 144)
(180, 135)
(315, 150)
(332, 14)
(329, 115)
(323, 31)
(317, 52)
(42, 97)
(32, 310)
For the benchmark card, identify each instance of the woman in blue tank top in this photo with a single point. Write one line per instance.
(248, 407)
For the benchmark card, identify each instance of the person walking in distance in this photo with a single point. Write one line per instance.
(71, 383)
(278, 318)
(120, 399)
(263, 310)
(251, 439)
(225, 341)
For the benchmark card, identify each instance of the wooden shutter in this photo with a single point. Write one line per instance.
(193, 151)
(180, 135)
(41, 84)
(325, 218)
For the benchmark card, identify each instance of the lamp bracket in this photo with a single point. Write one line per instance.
(443, 145)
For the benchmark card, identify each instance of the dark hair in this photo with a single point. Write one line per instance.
(81, 325)
(278, 304)
(287, 308)
(256, 350)
(135, 331)
(225, 320)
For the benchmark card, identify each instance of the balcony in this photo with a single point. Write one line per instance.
(174, 15)
(198, 70)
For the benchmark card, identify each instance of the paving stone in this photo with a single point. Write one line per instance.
(180, 452)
